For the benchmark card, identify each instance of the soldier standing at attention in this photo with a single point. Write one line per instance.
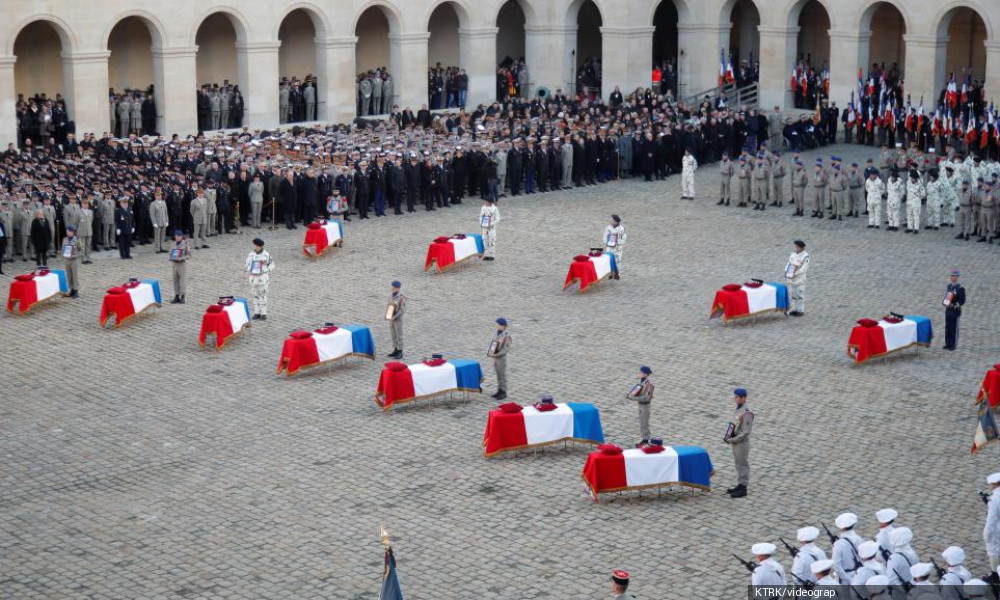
(895, 192)
(738, 437)
(819, 186)
(85, 230)
(199, 216)
(158, 218)
(935, 199)
(489, 216)
(769, 571)
(614, 242)
(953, 300)
(498, 352)
(642, 394)
(761, 177)
(874, 188)
(688, 166)
(726, 172)
(838, 185)
(915, 196)
(71, 249)
(259, 265)
(777, 179)
(744, 181)
(394, 314)
(799, 181)
(179, 255)
(124, 228)
(619, 585)
(795, 273)
(854, 182)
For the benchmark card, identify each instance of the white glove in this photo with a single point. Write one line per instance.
(156, 226)
(118, 231)
(133, 230)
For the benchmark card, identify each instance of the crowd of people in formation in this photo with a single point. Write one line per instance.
(220, 106)
(884, 566)
(446, 87)
(810, 87)
(375, 92)
(513, 79)
(297, 99)
(40, 118)
(132, 111)
(588, 78)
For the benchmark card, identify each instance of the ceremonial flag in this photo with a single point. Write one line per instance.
(390, 582)
(851, 115)
(936, 123)
(730, 75)
(965, 89)
(970, 134)
(920, 117)
(986, 428)
(908, 122)
(795, 78)
(951, 96)
(948, 124)
(722, 67)
(985, 135)
(861, 86)
(825, 76)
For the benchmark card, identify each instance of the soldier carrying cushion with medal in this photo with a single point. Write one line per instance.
(394, 314)
(738, 436)
(614, 242)
(498, 349)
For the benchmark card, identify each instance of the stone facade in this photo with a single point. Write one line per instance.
(345, 36)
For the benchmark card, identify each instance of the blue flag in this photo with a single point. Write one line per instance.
(390, 583)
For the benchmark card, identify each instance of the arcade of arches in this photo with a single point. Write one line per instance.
(80, 50)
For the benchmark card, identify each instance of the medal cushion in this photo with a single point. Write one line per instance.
(581, 258)
(609, 449)
(868, 322)
(732, 287)
(117, 290)
(651, 449)
(434, 362)
(314, 225)
(327, 330)
(545, 407)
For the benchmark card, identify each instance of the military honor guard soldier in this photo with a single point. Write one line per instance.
(642, 395)
(738, 437)
(72, 248)
(498, 349)
(179, 255)
(768, 571)
(394, 314)
(614, 242)
(489, 216)
(991, 531)
(954, 298)
(619, 585)
(808, 554)
(795, 273)
(259, 265)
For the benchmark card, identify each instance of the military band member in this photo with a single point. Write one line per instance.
(489, 216)
(795, 273)
(394, 314)
(738, 437)
(259, 265)
(953, 301)
(726, 172)
(72, 248)
(845, 550)
(158, 218)
(874, 189)
(179, 255)
(85, 230)
(614, 242)
(768, 571)
(498, 349)
(642, 395)
(799, 181)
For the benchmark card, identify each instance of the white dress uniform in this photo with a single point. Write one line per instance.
(614, 242)
(769, 572)
(489, 216)
(797, 282)
(896, 190)
(801, 565)
(897, 569)
(688, 166)
(874, 188)
(259, 283)
(956, 575)
(991, 531)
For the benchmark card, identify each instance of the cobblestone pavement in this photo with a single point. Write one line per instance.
(137, 465)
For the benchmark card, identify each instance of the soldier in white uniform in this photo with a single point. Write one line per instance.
(991, 531)
(915, 196)
(845, 550)
(807, 555)
(614, 242)
(874, 188)
(769, 571)
(935, 199)
(897, 568)
(895, 190)
(688, 166)
(489, 216)
(885, 517)
(955, 574)
(619, 585)
(922, 586)
(821, 570)
(726, 172)
(870, 566)
(259, 265)
(795, 274)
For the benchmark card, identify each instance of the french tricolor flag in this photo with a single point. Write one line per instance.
(635, 468)
(872, 338)
(304, 349)
(448, 251)
(223, 320)
(402, 383)
(736, 301)
(530, 427)
(32, 288)
(129, 300)
(590, 269)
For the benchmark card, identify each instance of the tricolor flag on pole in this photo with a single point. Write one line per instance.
(795, 78)
(986, 429)
(390, 583)
(730, 75)
(722, 67)
(951, 96)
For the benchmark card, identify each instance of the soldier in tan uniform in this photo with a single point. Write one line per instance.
(743, 177)
(726, 176)
(7, 244)
(987, 212)
(838, 187)
(498, 349)
(642, 395)
(738, 436)
(71, 250)
(777, 179)
(107, 209)
(397, 302)
(819, 187)
(158, 218)
(179, 255)
(199, 216)
(965, 211)
(761, 179)
(50, 220)
(85, 229)
(799, 181)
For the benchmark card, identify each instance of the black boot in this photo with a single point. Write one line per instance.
(176, 300)
(739, 492)
(501, 395)
(732, 489)
(182, 301)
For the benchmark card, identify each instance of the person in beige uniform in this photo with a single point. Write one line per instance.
(179, 255)
(199, 217)
(820, 179)
(158, 217)
(761, 181)
(107, 209)
(498, 349)
(738, 437)
(50, 220)
(85, 230)
(799, 181)
(397, 306)
(777, 179)
(256, 193)
(642, 395)
(726, 172)
(71, 250)
(211, 211)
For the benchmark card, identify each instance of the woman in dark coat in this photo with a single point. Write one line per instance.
(40, 238)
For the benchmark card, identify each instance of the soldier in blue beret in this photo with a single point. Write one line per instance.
(738, 436)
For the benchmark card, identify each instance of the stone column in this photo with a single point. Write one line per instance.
(258, 76)
(992, 69)
(848, 51)
(925, 65)
(335, 70)
(777, 57)
(8, 98)
(627, 58)
(478, 56)
(175, 78)
(85, 89)
(698, 46)
(550, 52)
(408, 67)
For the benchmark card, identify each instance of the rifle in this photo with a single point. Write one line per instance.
(984, 497)
(808, 585)
(833, 538)
(793, 551)
(940, 572)
(746, 563)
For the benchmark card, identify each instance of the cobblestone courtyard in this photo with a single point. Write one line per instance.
(137, 465)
